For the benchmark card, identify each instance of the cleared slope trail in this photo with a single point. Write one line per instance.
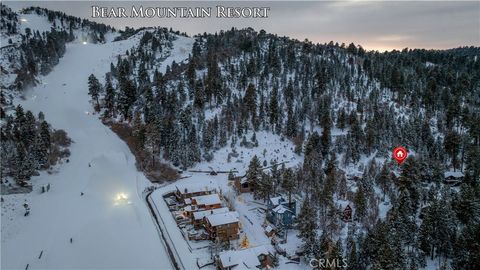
(107, 232)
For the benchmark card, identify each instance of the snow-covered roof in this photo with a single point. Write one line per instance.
(207, 199)
(244, 258)
(202, 214)
(453, 174)
(281, 209)
(188, 201)
(269, 229)
(223, 218)
(190, 208)
(276, 200)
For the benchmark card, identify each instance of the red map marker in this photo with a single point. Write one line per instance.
(400, 154)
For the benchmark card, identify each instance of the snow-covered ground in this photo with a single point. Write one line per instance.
(110, 225)
(271, 148)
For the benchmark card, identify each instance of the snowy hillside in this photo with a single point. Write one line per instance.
(293, 139)
(34, 39)
(247, 100)
(94, 215)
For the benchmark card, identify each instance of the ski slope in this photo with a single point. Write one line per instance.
(110, 225)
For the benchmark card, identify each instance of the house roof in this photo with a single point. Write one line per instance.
(223, 218)
(242, 259)
(453, 174)
(190, 208)
(276, 200)
(207, 199)
(202, 214)
(281, 209)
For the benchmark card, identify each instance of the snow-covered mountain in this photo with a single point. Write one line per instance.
(312, 122)
(34, 39)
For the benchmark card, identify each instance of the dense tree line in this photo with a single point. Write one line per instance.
(29, 144)
(339, 104)
(33, 53)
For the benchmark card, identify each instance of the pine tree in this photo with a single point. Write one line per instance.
(254, 173)
(109, 98)
(250, 102)
(353, 261)
(325, 140)
(291, 125)
(307, 228)
(409, 180)
(94, 89)
(199, 99)
(138, 130)
(153, 138)
(383, 179)
(288, 183)
(452, 146)
(341, 119)
(28, 129)
(274, 110)
(360, 203)
(44, 140)
(264, 186)
(126, 97)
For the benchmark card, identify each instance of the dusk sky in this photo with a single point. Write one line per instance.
(379, 25)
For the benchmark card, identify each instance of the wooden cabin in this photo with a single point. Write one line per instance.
(242, 185)
(453, 178)
(347, 214)
(199, 217)
(207, 202)
(202, 203)
(223, 227)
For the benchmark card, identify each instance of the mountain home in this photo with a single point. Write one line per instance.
(199, 217)
(202, 203)
(281, 213)
(223, 226)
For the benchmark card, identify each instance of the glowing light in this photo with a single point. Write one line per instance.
(23, 20)
(121, 198)
(84, 43)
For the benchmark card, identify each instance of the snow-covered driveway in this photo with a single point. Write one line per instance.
(107, 232)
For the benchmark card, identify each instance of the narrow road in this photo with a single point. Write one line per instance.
(172, 251)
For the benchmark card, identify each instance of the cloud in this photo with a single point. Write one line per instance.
(373, 24)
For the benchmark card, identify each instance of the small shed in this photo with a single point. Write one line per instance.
(269, 231)
(242, 185)
(453, 178)
(347, 214)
